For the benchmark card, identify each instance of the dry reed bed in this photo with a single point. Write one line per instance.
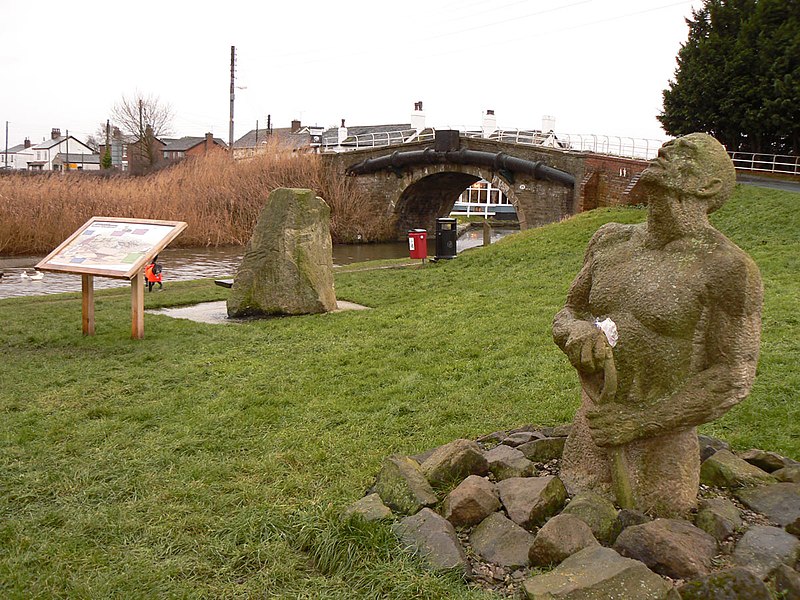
(218, 198)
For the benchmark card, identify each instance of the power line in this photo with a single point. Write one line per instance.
(509, 20)
(551, 32)
(493, 8)
(324, 54)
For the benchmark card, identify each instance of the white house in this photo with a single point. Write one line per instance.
(81, 157)
(16, 157)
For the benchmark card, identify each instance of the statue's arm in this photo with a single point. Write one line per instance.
(573, 328)
(726, 347)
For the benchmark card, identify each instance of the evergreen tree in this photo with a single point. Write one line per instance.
(106, 162)
(738, 76)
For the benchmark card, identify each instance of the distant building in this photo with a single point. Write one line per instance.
(43, 156)
(16, 158)
(118, 145)
(76, 162)
(312, 138)
(191, 146)
(297, 138)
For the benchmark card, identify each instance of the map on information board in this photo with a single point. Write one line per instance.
(112, 247)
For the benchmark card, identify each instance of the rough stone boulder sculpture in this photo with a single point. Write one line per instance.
(686, 305)
(288, 266)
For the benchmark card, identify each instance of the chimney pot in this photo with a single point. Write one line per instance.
(343, 125)
(418, 117)
(295, 125)
(27, 142)
(55, 133)
(489, 124)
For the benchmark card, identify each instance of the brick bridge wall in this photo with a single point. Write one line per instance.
(417, 195)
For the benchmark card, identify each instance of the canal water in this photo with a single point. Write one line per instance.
(181, 264)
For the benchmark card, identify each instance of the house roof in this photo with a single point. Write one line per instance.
(13, 149)
(284, 136)
(88, 159)
(187, 143)
(45, 145)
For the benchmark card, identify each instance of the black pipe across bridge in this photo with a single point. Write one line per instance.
(499, 161)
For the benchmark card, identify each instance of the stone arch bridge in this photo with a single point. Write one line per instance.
(411, 185)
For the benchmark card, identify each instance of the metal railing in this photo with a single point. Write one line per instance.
(380, 138)
(612, 145)
(600, 144)
(766, 163)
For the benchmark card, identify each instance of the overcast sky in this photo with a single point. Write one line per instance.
(597, 66)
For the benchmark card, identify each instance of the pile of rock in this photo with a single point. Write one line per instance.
(496, 510)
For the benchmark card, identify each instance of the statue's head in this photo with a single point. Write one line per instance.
(695, 165)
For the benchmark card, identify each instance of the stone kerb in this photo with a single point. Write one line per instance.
(450, 508)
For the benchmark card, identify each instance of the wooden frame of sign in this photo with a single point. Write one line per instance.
(112, 247)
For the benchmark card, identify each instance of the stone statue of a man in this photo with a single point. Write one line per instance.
(686, 302)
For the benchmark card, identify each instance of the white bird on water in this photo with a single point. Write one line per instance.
(35, 277)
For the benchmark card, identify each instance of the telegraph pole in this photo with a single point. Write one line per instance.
(6, 155)
(233, 78)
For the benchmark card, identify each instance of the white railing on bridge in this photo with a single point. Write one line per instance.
(600, 144)
(612, 145)
(377, 139)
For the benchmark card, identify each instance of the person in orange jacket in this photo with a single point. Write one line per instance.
(152, 273)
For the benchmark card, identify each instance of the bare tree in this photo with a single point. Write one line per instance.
(93, 143)
(146, 118)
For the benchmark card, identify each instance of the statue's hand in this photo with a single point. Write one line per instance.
(614, 424)
(586, 347)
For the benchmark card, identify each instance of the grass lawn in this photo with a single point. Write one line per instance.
(211, 461)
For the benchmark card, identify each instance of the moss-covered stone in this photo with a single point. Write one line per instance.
(454, 462)
(402, 487)
(287, 267)
(597, 573)
(725, 469)
(598, 513)
(730, 584)
(718, 517)
(529, 501)
(369, 508)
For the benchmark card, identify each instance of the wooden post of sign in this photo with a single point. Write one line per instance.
(137, 306)
(87, 290)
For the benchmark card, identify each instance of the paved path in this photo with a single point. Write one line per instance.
(769, 182)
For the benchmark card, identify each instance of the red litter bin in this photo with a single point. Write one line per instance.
(418, 243)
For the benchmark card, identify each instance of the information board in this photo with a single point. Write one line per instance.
(112, 247)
